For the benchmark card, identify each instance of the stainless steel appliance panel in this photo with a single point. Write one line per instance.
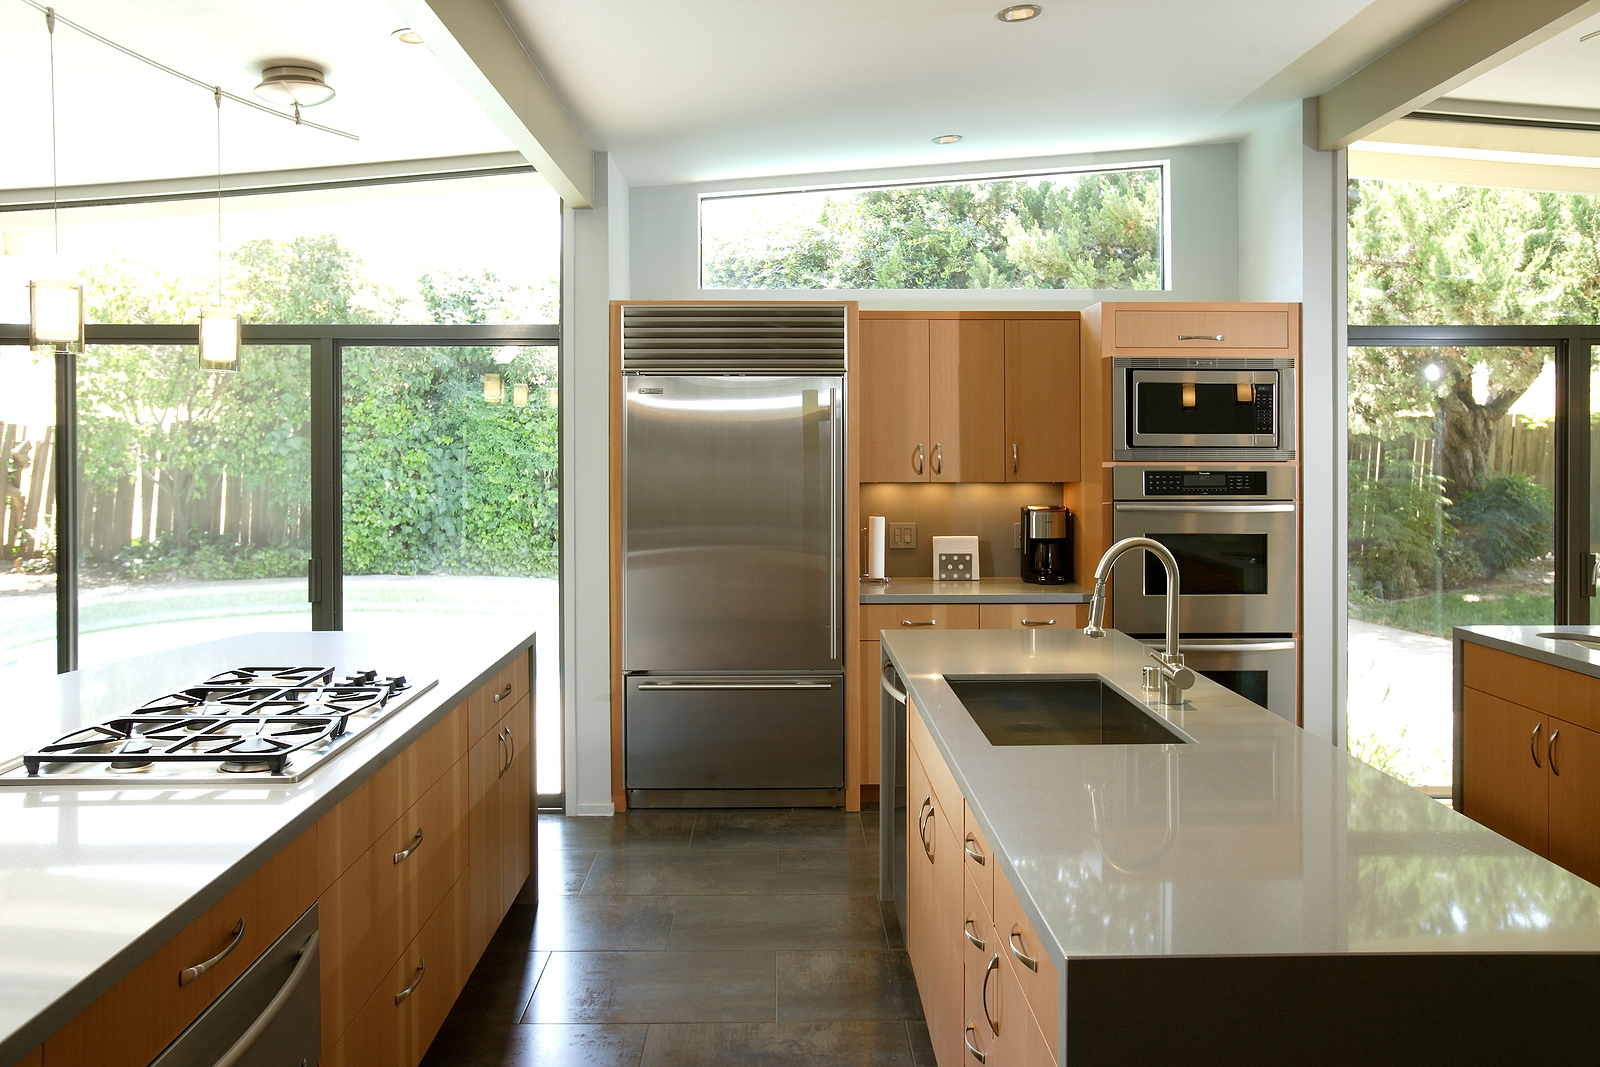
(739, 732)
(271, 1016)
(1262, 671)
(733, 523)
(1163, 408)
(1236, 567)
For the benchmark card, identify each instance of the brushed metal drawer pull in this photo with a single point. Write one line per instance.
(938, 460)
(189, 974)
(498, 697)
(505, 759)
(966, 1039)
(916, 460)
(1201, 337)
(1013, 459)
(1022, 957)
(1038, 622)
(967, 928)
(994, 965)
(1533, 744)
(1550, 753)
(924, 622)
(924, 817)
(416, 843)
(422, 972)
(976, 857)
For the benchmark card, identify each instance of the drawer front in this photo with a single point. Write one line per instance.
(1032, 616)
(355, 953)
(421, 857)
(979, 861)
(940, 780)
(403, 780)
(343, 836)
(913, 617)
(1550, 690)
(489, 704)
(981, 993)
(1019, 944)
(1196, 330)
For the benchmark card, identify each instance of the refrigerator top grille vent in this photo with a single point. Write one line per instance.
(733, 339)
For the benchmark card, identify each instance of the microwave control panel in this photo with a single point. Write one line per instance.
(1205, 483)
(1265, 410)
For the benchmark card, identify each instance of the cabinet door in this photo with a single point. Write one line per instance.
(516, 799)
(485, 872)
(966, 400)
(980, 960)
(871, 749)
(893, 376)
(1573, 759)
(1503, 779)
(1042, 400)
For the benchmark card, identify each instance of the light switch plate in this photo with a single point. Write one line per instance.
(902, 535)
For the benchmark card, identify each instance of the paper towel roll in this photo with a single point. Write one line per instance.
(876, 528)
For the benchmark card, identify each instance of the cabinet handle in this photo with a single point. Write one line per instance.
(1038, 622)
(967, 928)
(924, 817)
(505, 760)
(916, 460)
(923, 622)
(422, 972)
(1013, 458)
(967, 1040)
(994, 965)
(1022, 957)
(498, 697)
(416, 843)
(511, 742)
(1201, 337)
(975, 856)
(938, 460)
(189, 974)
(1550, 754)
(1533, 744)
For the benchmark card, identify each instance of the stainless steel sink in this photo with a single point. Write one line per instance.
(1030, 710)
(1587, 640)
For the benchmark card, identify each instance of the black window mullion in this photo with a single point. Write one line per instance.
(67, 462)
(1573, 593)
(325, 577)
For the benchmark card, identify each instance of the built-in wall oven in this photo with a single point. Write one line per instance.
(1171, 408)
(1233, 531)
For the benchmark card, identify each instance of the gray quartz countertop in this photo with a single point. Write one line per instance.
(94, 880)
(1526, 641)
(982, 591)
(1257, 839)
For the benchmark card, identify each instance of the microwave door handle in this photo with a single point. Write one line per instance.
(1211, 509)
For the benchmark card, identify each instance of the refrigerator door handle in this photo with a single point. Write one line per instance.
(725, 686)
(833, 524)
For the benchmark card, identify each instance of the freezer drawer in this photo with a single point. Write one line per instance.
(682, 732)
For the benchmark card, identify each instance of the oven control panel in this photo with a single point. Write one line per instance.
(1205, 483)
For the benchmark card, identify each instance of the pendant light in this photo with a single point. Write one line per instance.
(493, 389)
(219, 326)
(55, 305)
(519, 395)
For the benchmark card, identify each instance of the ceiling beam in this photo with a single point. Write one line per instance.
(1469, 39)
(1469, 138)
(476, 45)
(1455, 170)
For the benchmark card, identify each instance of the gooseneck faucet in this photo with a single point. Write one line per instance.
(1175, 677)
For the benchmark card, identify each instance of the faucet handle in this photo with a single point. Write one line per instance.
(1173, 669)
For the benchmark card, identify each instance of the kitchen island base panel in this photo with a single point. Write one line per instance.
(1344, 1009)
(736, 798)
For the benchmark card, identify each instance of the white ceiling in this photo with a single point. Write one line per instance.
(1562, 72)
(119, 120)
(705, 89)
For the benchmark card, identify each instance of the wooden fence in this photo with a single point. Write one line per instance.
(27, 516)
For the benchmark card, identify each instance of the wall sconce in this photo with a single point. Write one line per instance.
(494, 392)
(519, 395)
(55, 313)
(219, 340)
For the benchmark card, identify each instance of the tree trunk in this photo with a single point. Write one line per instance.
(147, 496)
(1464, 438)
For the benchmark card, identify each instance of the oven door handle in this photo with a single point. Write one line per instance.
(1211, 509)
(1259, 646)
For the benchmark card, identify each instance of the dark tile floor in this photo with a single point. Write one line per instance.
(678, 938)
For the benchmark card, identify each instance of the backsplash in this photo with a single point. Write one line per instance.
(989, 510)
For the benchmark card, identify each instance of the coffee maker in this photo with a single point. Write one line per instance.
(1046, 544)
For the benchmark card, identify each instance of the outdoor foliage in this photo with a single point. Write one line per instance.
(1509, 521)
(1399, 537)
(1089, 231)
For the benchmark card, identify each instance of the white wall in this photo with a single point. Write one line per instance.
(1203, 221)
(595, 271)
(1292, 247)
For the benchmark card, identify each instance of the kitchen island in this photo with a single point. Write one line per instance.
(96, 882)
(981, 591)
(1249, 895)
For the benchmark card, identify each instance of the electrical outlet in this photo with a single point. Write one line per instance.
(902, 535)
(1016, 535)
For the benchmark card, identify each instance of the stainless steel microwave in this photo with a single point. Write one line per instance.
(1203, 409)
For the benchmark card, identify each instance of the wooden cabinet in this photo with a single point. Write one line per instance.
(500, 801)
(1202, 328)
(912, 617)
(980, 960)
(934, 894)
(970, 398)
(1504, 775)
(1573, 759)
(871, 745)
(1032, 616)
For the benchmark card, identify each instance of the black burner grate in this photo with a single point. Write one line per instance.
(240, 743)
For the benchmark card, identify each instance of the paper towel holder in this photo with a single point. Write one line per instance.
(864, 576)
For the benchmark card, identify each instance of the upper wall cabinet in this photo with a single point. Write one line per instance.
(969, 399)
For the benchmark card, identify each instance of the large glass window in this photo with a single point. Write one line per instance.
(27, 520)
(1080, 229)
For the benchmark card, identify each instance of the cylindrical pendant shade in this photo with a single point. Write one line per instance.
(493, 390)
(219, 340)
(55, 307)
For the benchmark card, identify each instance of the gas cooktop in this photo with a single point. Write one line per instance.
(246, 725)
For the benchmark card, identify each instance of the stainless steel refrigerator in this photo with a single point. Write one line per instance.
(733, 555)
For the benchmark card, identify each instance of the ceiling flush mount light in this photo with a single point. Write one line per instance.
(1019, 12)
(947, 138)
(407, 35)
(294, 85)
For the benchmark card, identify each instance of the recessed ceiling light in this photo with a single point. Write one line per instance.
(1019, 13)
(948, 138)
(294, 85)
(407, 35)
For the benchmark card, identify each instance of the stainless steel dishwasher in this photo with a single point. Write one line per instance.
(271, 1016)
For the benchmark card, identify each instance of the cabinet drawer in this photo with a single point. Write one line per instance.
(404, 779)
(1167, 329)
(417, 861)
(941, 782)
(912, 617)
(1550, 690)
(1041, 986)
(978, 860)
(1032, 616)
(981, 993)
(490, 703)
